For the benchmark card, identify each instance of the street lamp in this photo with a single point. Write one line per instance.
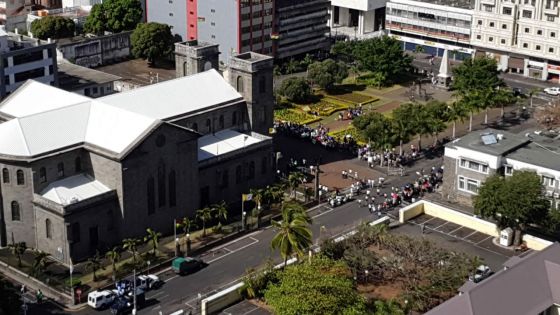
(71, 282)
(188, 244)
(177, 247)
(366, 272)
(148, 262)
(243, 220)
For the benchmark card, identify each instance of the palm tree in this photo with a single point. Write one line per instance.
(294, 234)
(456, 111)
(294, 180)
(204, 215)
(131, 244)
(39, 262)
(220, 212)
(186, 224)
(94, 264)
(152, 237)
(258, 197)
(18, 249)
(114, 256)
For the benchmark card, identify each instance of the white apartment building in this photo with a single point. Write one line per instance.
(522, 35)
(434, 25)
(357, 19)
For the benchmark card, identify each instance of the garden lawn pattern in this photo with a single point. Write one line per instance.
(295, 116)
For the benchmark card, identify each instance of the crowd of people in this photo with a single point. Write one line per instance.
(319, 135)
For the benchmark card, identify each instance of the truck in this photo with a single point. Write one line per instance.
(149, 282)
(124, 304)
(101, 299)
(186, 265)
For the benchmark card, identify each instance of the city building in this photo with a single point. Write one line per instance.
(472, 158)
(79, 3)
(521, 35)
(93, 51)
(357, 19)
(432, 26)
(81, 174)
(25, 58)
(13, 12)
(237, 26)
(301, 27)
(78, 14)
(85, 81)
(527, 285)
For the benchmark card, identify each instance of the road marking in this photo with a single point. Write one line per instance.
(229, 250)
(428, 220)
(153, 296)
(236, 240)
(170, 278)
(157, 307)
(235, 251)
(465, 238)
(484, 240)
(322, 213)
(441, 225)
(460, 227)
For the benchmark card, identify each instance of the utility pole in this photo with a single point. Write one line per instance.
(134, 292)
(317, 174)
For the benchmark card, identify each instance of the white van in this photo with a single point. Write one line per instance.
(100, 299)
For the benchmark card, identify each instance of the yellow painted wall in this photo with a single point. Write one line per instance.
(535, 242)
(461, 218)
(411, 211)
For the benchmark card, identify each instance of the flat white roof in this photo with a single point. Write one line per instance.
(222, 142)
(73, 189)
(176, 97)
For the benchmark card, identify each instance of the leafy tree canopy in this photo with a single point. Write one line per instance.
(377, 129)
(323, 286)
(476, 75)
(114, 16)
(53, 27)
(295, 89)
(514, 201)
(326, 73)
(151, 41)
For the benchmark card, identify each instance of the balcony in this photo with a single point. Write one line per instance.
(489, 2)
(551, 10)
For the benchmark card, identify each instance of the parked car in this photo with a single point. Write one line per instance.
(481, 273)
(186, 265)
(124, 304)
(150, 282)
(517, 91)
(101, 299)
(552, 90)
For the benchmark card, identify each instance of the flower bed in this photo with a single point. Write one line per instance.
(341, 133)
(326, 108)
(295, 116)
(353, 98)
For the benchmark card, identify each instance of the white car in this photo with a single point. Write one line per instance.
(149, 282)
(481, 273)
(100, 299)
(552, 91)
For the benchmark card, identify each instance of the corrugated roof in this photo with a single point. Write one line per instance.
(223, 142)
(73, 189)
(48, 118)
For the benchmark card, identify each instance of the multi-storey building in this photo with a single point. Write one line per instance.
(237, 26)
(471, 159)
(434, 25)
(80, 174)
(25, 58)
(357, 19)
(301, 27)
(522, 35)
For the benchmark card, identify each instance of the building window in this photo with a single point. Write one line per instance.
(161, 185)
(508, 170)
(42, 175)
(479, 22)
(172, 189)
(225, 179)
(506, 11)
(60, 168)
(221, 122)
(20, 180)
(78, 164)
(548, 181)
(553, 34)
(262, 85)
(208, 125)
(251, 173)
(503, 41)
(151, 196)
(490, 39)
(491, 24)
(110, 221)
(538, 47)
(504, 26)
(48, 228)
(551, 50)
(264, 165)
(238, 174)
(16, 216)
(240, 84)
(5, 176)
(539, 32)
(76, 232)
(527, 14)
(170, 14)
(234, 118)
(488, 8)
(474, 166)
(478, 37)
(550, 18)
(525, 45)
(468, 185)
(527, 30)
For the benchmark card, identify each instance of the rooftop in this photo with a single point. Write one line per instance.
(223, 142)
(73, 189)
(461, 4)
(545, 154)
(72, 77)
(529, 286)
(504, 143)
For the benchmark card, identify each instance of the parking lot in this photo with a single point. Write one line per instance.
(245, 308)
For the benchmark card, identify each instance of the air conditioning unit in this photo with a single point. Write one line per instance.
(557, 195)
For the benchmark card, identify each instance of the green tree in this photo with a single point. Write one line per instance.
(388, 307)
(295, 89)
(293, 235)
(114, 16)
(204, 215)
(383, 55)
(93, 264)
(294, 180)
(153, 237)
(403, 123)
(515, 201)
(475, 82)
(18, 249)
(377, 128)
(220, 212)
(186, 224)
(151, 41)
(10, 301)
(456, 111)
(437, 117)
(259, 196)
(114, 255)
(326, 73)
(131, 245)
(323, 286)
(39, 262)
(53, 27)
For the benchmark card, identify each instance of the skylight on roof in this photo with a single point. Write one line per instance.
(489, 139)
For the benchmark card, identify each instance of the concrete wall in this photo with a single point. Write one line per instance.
(220, 25)
(97, 51)
(173, 13)
(221, 300)
(411, 211)
(227, 112)
(535, 242)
